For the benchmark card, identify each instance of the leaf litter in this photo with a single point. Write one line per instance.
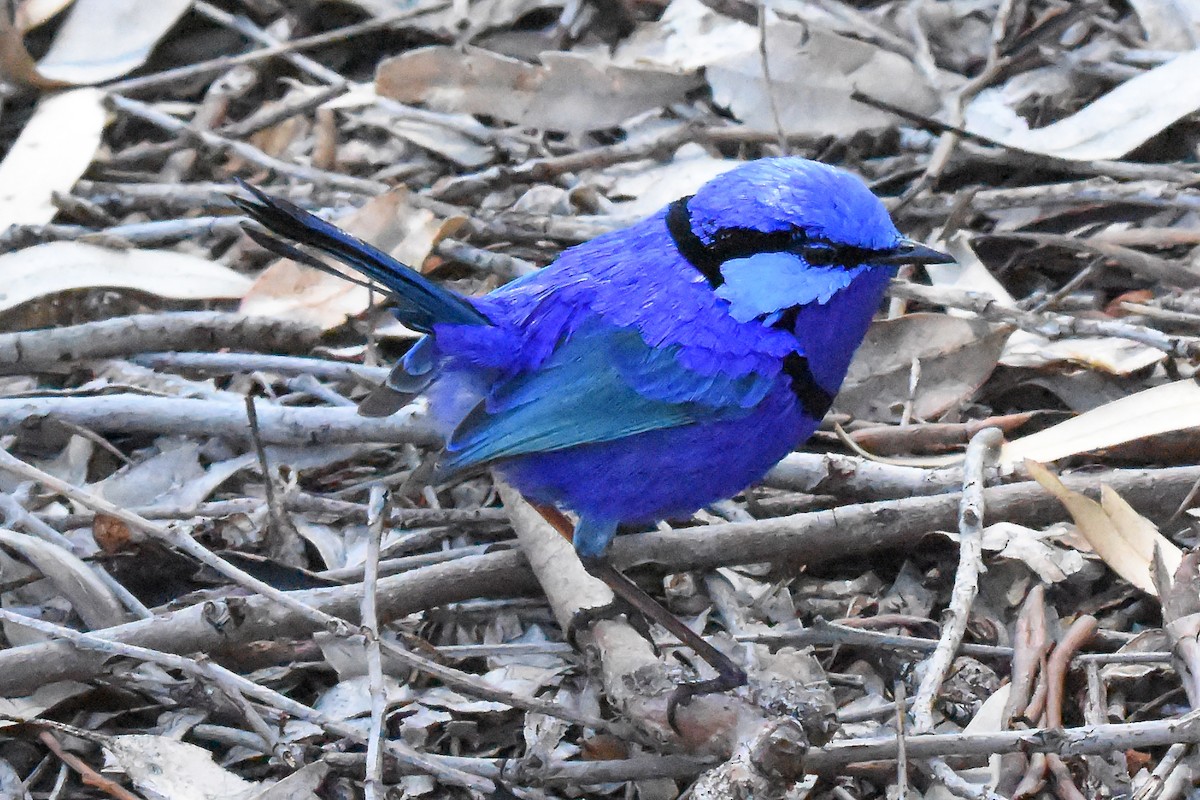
(475, 141)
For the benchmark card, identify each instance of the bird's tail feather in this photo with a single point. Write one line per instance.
(419, 303)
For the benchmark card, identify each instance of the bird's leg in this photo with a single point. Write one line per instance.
(729, 674)
(584, 618)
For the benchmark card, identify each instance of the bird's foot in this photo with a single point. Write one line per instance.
(729, 676)
(584, 618)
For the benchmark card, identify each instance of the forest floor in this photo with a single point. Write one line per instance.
(219, 581)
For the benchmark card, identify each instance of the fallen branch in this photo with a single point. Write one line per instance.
(832, 759)
(185, 330)
(195, 417)
(810, 538)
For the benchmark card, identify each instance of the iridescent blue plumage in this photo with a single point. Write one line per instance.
(655, 369)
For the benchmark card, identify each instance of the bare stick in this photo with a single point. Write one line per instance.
(305, 425)
(1046, 323)
(184, 330)
(231, 682)
(832, 759)
(292, 602)
(376, 516)
(221, 144)
(227, 363)
(811, 538)
(308, 42)
(283, 540)
(966, 581)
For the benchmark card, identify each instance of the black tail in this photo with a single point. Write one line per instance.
(419, 303)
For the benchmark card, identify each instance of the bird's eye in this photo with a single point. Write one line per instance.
(818, 254)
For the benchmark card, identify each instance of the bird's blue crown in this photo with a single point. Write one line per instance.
(805, 199)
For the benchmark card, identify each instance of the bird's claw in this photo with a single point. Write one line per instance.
(584, 618)
(729, 678)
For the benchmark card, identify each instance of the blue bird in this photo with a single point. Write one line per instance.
(653, 370)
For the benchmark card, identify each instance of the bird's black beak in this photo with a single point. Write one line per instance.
(910, 252)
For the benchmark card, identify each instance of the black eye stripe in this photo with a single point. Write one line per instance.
(731, 243)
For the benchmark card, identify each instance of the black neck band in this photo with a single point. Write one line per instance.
(813, 399)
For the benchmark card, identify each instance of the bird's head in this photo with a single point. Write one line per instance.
(796, 229)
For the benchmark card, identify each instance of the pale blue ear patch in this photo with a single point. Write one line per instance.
(766, 283)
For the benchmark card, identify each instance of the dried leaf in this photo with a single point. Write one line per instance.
(1035, 549)
(1103, 353)
(689, 36)
(54, 148)
(348, 700)
(650, 187)
(1169, 24)
(164, 767)
(1107, 128)
(813, 74)
(300, 785)
(569, 92)
(92, 600)
(55, 267)
(105, 39)
(967, 272)
(1161, 409)
(1151, 640)
(459, 140)
(956, 356)
(293, 291)
(1120, 536)
(45, 698)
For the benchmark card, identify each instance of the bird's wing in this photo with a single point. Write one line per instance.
(601, 384)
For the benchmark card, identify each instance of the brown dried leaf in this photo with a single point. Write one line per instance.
(956, 356)
(293, 291)
(569, 92)
(16, 64)
(1120, 536)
